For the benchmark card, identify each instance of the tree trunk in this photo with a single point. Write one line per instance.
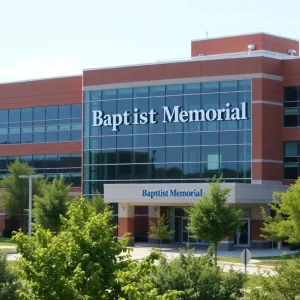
(216, 253)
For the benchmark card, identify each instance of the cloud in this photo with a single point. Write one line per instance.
(40, 68)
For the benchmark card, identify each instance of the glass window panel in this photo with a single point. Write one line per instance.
(210, 101)
(291, 121)
(3, 116)
(157, 140)
(192, 88)
(51, 161)
(14, 115)
(157, 90)
(124, 172)
(174, 171)
(26, 114)
(75, 160)
(156, 103)
(108, 157)
(124, 156)
(39, 137)
(124, 93)
(76, 179)
(39, 113)
(140, 140)
(52, 112)
(228, 86)
(244, 136)
(229, 170)
(94, 143)
(244, 85)
(210, 138)
(76, 135)
(244, 169)
(191, 170)
(26, 138)
(76, 111)
(291, 149)
(14, 138)
(14, 130)
(51, 136)
(141, 156)
(27, 159)
(174, 89)
(38, 161)
(191, 154)
(174, 139)
(229, 137)
(64, 111)
(157, 155)
(290, 171)
(140, 171)
(95, 96)
(291, 93)
(65, 127)
(64, 136)
(109, 172)
(207, 150)
(26, 129)
(171, 102)
(156, 171)
(109, 94)
(173, 154)
(210, 87)
(142, 105)
(244, 152)
(3, 138)
(124, 141)
(3, 162)
(228, 153)
(140, 92)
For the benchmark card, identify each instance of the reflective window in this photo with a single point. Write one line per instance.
(291, 159)
(169, 151)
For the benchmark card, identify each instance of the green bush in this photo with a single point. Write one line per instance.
(197, 277)
(8, 280)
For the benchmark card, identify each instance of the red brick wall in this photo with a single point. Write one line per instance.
(240, 44)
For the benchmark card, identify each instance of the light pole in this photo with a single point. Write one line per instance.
(30, 177)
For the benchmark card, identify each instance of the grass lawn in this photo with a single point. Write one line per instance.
(6, 242)
(271, 261)
(229, 259)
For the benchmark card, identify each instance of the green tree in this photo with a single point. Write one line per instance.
(196, 277)
(8, 280)
(284, 285)
(98, 202)
(16, 191)
(286, 223)
(211, 218)
(51, 204)
(160, 230)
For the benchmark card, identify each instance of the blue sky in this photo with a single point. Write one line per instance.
(62, 37)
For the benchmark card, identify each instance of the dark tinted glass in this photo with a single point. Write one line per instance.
(291, 93)
(39, 113)
(76, 111)
(109, 94)
(227, 86)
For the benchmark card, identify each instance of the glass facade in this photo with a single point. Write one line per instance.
(291, 103)
(291, 160)
(59, 123)
(147, 151)
(54, 165)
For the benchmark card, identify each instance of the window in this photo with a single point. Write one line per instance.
(291, 160)
(168, 152)
(291, 103)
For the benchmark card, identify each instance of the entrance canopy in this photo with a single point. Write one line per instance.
(186, 193)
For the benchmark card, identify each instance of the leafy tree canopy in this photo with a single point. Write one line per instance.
(211, 218)
(51, 204)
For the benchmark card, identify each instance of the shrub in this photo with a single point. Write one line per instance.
(197, 277)
(8, 280)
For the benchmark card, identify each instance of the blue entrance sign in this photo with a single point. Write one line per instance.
(171, 193)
